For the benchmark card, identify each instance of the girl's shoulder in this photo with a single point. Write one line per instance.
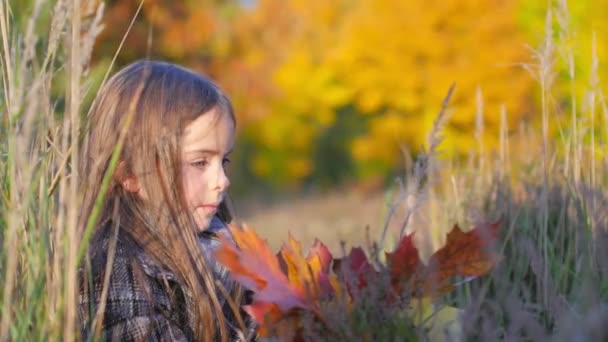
(128, 256)
(133, 286)
(111, 241)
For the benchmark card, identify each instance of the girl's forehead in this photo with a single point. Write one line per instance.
(212, 126)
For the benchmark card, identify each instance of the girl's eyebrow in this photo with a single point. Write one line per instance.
(208, 151)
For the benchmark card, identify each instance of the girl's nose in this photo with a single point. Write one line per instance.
(222, 182)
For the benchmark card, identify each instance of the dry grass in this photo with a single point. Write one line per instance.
(40, 201)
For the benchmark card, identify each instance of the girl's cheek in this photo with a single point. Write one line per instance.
(189, 186)
(193, 187)
(201, 219)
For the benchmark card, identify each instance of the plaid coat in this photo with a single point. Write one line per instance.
(143, 302)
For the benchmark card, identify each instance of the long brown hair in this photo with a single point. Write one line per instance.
(162, 99)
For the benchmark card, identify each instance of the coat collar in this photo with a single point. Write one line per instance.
(209, 242)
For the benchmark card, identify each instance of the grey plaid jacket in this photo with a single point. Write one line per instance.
(143, 301)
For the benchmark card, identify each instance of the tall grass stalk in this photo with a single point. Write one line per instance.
(39, 153)
(75, 72)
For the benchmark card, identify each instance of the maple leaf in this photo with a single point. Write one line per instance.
(355, 269)
(287, 284)
(464, 254)
(311, 272)
(319, 261)
(253, 265)
(281, 283)
(405, 260)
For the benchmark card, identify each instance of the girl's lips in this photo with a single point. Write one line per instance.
(210, 208)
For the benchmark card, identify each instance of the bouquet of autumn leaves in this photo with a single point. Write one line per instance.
(356, 297)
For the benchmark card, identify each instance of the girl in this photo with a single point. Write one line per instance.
(150, 273)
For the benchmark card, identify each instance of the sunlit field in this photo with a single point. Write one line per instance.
(525, 146)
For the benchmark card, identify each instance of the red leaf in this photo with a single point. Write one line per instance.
(355, 269)
(261, 311)
(404, 261)
(464, 254)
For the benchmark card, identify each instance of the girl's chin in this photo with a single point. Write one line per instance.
(202, 221)
(202, 225)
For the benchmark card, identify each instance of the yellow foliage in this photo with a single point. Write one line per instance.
(293, 68)
(261, 165)
(386, 135)
(300, 80)
(393, 60)
(298, 168)
(403, 55)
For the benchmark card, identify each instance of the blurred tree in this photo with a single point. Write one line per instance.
(330, 89)
(191, 32)
(287, 96)
(391, 61)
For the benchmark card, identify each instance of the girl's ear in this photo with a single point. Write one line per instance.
(131, 184)
(125, 179)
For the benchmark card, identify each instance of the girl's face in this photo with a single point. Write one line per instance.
(206, 146)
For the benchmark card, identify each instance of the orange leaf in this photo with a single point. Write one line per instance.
(319, 261)
(253, 265)
(282, 283)
(319, 253)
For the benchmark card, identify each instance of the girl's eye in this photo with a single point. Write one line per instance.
(225, 162)
(200, 163)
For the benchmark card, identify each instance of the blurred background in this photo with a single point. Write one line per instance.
(335, 97)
